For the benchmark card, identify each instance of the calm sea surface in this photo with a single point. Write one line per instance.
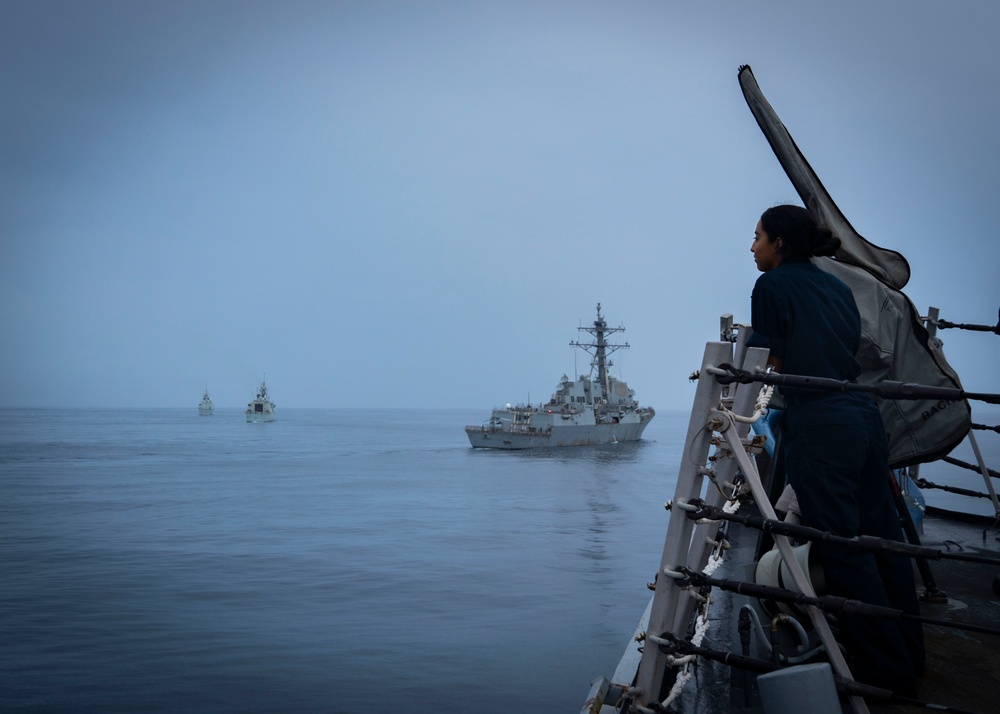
(330, 561)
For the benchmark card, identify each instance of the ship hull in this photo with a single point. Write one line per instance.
(570, 435)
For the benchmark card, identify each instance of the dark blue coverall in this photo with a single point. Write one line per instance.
(837, 460)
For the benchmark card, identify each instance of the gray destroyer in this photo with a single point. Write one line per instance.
(595, 409)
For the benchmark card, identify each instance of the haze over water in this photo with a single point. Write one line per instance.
(331, 560)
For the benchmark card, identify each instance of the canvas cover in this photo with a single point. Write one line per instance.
(895, 345)
(887, 265)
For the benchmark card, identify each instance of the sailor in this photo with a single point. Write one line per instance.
(835, 447)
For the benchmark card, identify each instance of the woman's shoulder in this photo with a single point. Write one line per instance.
(784, 272)
(793, 270)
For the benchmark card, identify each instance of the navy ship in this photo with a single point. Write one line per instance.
(261, 409)
(597, 408)
(206, 407)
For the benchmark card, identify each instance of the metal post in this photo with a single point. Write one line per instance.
(653, 665)
(687, 543)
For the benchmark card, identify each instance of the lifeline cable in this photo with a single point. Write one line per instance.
(924, 483)
(888, 389)
(966, 465)
(944, 325)
(983, 427)
(685, 577)
(697, 509)
(669, 643)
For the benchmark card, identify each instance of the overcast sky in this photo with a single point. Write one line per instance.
(416, 204)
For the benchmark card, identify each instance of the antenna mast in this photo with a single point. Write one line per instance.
(601, 348)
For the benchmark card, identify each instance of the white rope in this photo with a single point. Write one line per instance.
(714, 562)
(712, 566)
(760, 408)
(702, 624)
(700, 629)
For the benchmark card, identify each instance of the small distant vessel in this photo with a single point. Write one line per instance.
(206, 407)
(595, 409)
(261, 408)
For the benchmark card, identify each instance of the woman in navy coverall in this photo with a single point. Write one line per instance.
(836, 451)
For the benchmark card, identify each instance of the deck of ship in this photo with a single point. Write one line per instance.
(963, 668)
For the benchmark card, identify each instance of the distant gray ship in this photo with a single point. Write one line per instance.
(206, 407)
(592, 410)
(261, 409)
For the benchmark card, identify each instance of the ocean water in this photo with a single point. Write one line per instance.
(329, 561)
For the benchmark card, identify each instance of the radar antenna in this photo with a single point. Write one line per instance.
(601, 349)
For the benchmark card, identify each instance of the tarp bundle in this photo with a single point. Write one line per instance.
(895, 344)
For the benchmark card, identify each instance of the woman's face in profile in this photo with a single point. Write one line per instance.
(765, 253)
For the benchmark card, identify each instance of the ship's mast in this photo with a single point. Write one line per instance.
(601, 348)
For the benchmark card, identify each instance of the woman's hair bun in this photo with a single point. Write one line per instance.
(801, 236)
(826, 243)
